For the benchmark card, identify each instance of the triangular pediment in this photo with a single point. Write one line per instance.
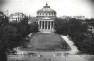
(46, 18)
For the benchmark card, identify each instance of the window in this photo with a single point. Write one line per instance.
(38, 14)
(43, 13)
(49, 13)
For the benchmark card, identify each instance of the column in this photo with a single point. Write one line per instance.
(38, 25)
(43, 25)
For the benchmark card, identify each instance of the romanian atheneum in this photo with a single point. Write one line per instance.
(45, 17)
(46, 39)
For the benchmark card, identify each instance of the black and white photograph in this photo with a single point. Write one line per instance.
(46, 30)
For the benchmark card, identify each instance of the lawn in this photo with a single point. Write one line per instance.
(48, 41)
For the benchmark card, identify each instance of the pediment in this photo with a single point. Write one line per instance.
(46, 18)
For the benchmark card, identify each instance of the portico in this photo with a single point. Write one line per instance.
(46, 25)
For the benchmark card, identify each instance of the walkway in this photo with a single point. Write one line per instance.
(71, 44)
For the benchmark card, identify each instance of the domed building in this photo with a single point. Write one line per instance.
(45, 40)
(45, 17)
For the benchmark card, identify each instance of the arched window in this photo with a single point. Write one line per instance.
(46, 13)
(43, 13)
(49, 13)
(40, 13)
(52, 14)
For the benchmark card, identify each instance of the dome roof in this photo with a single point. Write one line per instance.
(46, 9)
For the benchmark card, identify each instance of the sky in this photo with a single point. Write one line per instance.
(62, 7)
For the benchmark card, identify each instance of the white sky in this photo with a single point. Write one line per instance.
(62, 7)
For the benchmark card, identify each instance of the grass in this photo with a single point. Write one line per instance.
(47, 41)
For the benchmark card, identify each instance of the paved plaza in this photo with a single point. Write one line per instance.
(48, 57)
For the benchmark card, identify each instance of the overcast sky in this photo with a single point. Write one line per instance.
(62, 7)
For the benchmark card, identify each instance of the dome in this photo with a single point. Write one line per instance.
(46, 9)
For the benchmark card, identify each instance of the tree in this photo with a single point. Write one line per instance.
(22, 26)
(33, 27)
(3, 19)
(76, 27)
(11, 35)
(3, 47)
(23, 29)
(61, 26)
(79, 35)
(77, 31)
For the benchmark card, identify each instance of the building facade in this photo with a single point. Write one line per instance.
(45, 18)
(76, 17)
(16, 17)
